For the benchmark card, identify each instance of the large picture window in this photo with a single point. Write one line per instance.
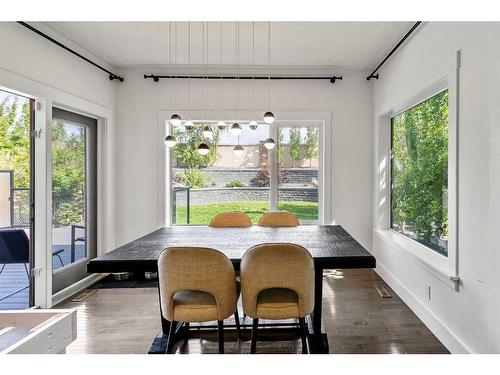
(254, 179)
(419, 173)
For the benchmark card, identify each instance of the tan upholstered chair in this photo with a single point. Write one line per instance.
(231, 219)
(277, 282)
(279, 219)
(196, 285)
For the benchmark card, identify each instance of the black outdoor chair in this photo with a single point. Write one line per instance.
(14, 248)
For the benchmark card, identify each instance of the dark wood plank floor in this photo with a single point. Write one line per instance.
(356, 320)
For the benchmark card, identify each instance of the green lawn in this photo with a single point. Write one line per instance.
(203, 213)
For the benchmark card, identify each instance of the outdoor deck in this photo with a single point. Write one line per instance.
(14, 278)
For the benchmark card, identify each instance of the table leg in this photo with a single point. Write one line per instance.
(159, 345)
(318, 342)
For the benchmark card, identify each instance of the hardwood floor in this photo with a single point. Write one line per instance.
(355, 318)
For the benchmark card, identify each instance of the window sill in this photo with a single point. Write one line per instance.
(426, 258)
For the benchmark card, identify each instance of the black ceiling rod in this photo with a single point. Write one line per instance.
(156, 77)
(373, 75)
(112, 76)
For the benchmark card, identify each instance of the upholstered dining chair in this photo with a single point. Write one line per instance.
(279, 219)
(197, 285)
(231, 219)
(277, 282)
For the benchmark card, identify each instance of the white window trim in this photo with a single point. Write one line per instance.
(323, 119)
(446, 268)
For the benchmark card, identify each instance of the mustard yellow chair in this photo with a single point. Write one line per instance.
(279, 219)
(231, 219)
(197, 285)
(277, 282)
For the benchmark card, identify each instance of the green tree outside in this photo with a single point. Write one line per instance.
(420, 172)
(311, 144)
(295, 146)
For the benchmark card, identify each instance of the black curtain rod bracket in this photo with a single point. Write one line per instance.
(375, 76)
(112, 76)
(156, 77)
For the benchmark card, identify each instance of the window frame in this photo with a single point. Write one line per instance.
(443, 266)
(391, 159)
(321, 119)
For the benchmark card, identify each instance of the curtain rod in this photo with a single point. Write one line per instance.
(112, 76)
(156, 78)
(373, 75)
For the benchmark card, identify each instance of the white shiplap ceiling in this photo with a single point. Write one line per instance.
(352, 45)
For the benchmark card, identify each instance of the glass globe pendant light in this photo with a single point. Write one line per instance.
(269, 143)
(236, 129)
(170, 141)
(175, 119)
(203, 149)
(188, 125)
(238, 150)
(253, 125)
(268, 117)
(208, 132)
(221, 125)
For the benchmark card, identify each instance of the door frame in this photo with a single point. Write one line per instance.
(45, 97)
(323, 119)
(71, 273)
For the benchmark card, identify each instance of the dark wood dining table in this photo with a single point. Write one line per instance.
(331, 246)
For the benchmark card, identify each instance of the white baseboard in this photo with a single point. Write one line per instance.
(451, 341)
(76, 287)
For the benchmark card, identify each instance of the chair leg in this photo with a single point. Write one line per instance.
(60, 260)
(237, 322)
(220, 324)
(303, 335)
(171, 334)
(27, 272)
(253, 344)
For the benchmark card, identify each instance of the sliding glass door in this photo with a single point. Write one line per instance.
(74, 196)
(240, 173)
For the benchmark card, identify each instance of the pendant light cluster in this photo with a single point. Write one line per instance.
(235, 129)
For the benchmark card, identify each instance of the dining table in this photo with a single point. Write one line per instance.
(331, 247)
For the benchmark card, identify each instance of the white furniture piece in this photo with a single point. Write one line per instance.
(36, 331)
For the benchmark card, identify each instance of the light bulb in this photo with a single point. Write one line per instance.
(208, 132)
(221, 125)
(189, 125)
(269, 143)
(170, 141)
(238, 150)
(203, 149)
(268, 117)
(253, 125)
(175, 119)
(236, 129)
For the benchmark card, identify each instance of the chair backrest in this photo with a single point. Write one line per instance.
(196, 269)
(231, 219)
(14, 246)
(279, 219)
(277, 265)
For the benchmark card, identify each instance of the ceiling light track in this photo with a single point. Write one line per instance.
(373, 74)
(156, 78)
(112, 76)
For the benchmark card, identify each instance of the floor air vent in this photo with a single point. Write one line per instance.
(383, 292)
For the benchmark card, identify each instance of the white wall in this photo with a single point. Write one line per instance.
(137, 203)
(33, 66)
(464, 320)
